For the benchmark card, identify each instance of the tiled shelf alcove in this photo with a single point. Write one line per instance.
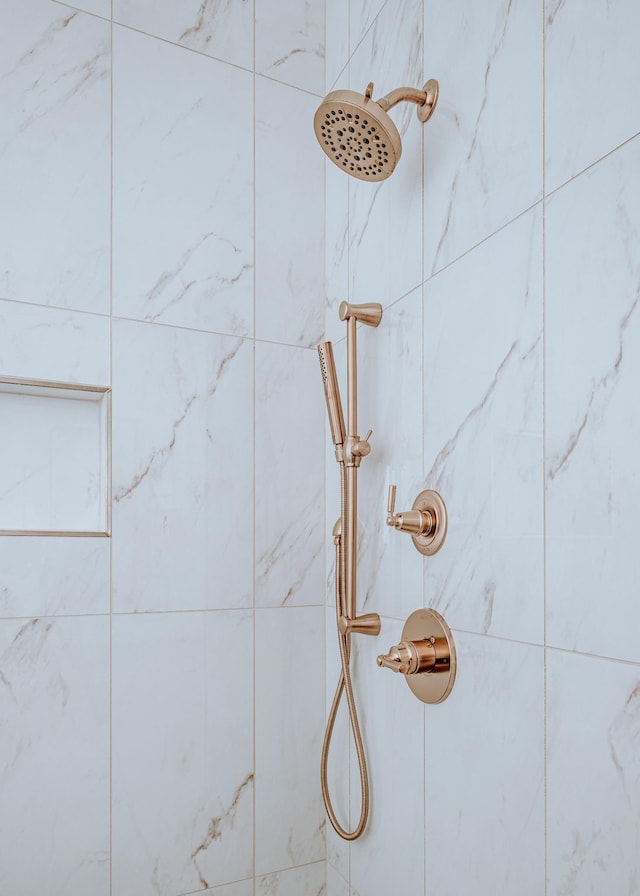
(54, 462)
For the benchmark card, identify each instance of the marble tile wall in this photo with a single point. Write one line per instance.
(162, 233)
(505, 250)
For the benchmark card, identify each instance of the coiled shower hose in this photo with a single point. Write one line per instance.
(344, 685)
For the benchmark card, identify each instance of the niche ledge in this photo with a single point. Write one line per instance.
(55, 458)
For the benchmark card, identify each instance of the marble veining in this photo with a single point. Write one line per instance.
(219, 28)
(54, 706)
(196, 831)
(290, 42)
(623, 737)
(514, 353)
(209, 16)
(215, 283)
(54, 143)
(597, 397)
(385, 262)
(216, 826)
(289, 496)
(68, 82)
(593, 774)
(590, 59)
(308, 880)
(498, 46)
(483, 147)
(180, 553)
(182, 236)
(289, 178)
(155, 462)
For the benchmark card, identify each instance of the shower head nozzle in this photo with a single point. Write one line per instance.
(358, 135)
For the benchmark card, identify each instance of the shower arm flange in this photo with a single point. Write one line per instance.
(425, 99)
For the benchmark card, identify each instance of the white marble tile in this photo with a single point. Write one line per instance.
(182, 751)
(336, 884)
(483, 434)
(289, 217)
(336, 41)
(385, 218)
(390, 570)
(309, 880)
(54, 155)
(336, 279)
(219, 28)
(289, 477)
(290, 42)
(51, 344)
(483, 146)
(54, 576)
(389, 857)
(239, 888)
(54, 757)
(289, 658)
(97, 7)
(182, 193)
(182, 462)
(593, 781)
(485, 773)
(362, 14)
(591, 67)
(593, 422)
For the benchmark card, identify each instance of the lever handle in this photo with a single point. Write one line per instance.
(393, 664)
(391, 503)
(398, 659)
(415, 522)
(410, 657)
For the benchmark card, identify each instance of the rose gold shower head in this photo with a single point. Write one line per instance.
(358, 135)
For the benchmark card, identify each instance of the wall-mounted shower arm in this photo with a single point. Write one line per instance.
(425, 99)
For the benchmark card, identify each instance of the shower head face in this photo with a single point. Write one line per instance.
(357, 135)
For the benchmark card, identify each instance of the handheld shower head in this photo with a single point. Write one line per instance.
(332, 392)
(358, 135)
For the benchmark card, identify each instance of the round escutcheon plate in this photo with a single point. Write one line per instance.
(435, 686)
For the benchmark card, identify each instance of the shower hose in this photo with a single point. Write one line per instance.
(344, 686)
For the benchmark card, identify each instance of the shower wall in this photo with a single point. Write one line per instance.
(162, 233)
(506, 251)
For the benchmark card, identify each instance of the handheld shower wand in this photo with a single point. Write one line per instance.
(350, 449)
(332, 393)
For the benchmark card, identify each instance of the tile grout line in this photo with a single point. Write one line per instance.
(324, 460)
(193, 50)
(254, 352)
(424, 422)
(545, 733)
(159, 323)
(110, 438)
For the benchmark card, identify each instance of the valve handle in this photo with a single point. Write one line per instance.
(391, 503)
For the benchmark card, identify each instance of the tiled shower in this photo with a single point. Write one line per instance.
(505, 248)
(169, 229)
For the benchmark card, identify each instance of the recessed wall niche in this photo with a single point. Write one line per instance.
(54, 458)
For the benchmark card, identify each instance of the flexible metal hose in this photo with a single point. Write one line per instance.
(344, 685)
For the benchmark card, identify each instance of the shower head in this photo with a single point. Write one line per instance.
(332, 392)
(357, 134)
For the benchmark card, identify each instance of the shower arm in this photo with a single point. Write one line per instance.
(400, 95)
(425, 99)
